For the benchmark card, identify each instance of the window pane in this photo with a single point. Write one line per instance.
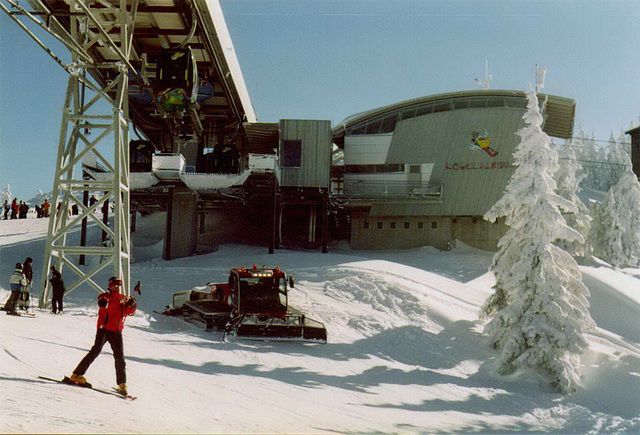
(291, 153)
(434, 225)
(393, 225)
(478, 102)
(424, 110)
(461, 104)
(442, 107)
(373, 127)
(420, 225)
(519, 103)
(495, 102)
(389, 123)
(414, 169)
(358, 130)
(409, 113)
(379, 225)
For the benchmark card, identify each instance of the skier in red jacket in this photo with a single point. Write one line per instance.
(114, 308)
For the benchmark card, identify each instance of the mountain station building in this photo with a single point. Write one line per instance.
(425, 171)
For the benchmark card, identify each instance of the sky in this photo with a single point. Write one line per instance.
(329, 59)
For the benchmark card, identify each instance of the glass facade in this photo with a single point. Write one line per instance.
(386, 123)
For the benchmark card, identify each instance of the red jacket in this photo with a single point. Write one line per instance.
(112, 313)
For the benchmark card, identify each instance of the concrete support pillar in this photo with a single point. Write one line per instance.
(325, 221)
(182, 224)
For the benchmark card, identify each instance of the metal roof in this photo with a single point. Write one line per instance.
(263, 137)
(472, 180)
(559, 111)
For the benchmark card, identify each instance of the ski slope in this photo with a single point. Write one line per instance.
(405, 354)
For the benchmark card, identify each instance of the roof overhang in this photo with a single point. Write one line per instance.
(262, 137)
(161, 24)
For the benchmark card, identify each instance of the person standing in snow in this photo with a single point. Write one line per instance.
(27, 271)
(14, 208)
(6, 207)
(114, 308)
(57, 284)
(45, 208)
(17, 282)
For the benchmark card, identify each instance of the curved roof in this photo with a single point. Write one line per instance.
(559, 111)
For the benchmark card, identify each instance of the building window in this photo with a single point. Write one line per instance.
(407, 225)
(420, 225)
(379, 225)
(414, 169)
(358, 130)
(393, 225)
(389, 123)
(373, 169)
(424, 110)
(291, 153)
(366, 225)
(442, 107)
(373, 127)
(434, 225)
(408, 113)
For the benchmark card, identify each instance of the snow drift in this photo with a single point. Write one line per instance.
(406, 352)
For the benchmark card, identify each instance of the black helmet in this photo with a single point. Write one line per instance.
(18, 266)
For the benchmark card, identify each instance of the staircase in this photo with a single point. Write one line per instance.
(341, 224)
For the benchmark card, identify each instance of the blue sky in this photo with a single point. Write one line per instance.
(328, 59)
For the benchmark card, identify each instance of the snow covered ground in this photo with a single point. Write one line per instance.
(405, 354)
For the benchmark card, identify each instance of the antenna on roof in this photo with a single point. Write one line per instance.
(541, 72)
(487, 77)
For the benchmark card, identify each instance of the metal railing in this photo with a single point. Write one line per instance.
(390, 189)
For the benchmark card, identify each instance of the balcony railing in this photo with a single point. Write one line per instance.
(358, 189)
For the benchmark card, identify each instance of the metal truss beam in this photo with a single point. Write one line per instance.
(95, 121)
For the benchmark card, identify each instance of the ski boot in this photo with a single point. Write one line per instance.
(79, 380)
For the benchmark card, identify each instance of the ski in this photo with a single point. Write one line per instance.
(124, 396)
(67, 381)
(28, 315)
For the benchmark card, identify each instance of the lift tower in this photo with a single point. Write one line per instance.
(95, 115)
(112, 86)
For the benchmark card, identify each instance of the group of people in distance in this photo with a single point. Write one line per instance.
(19, 209)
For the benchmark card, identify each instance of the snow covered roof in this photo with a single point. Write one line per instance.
(144, 180)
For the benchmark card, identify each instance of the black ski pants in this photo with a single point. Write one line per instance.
(10, 306)
(56, 301)
(115, 340)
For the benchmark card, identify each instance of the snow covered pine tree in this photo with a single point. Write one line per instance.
(615, 232)
(568, 178)
(539, 309)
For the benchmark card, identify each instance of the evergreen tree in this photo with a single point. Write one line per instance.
(605, 235)
(616, 237)
(6, 194)
(539, 309)
(568, 178)
(617, 159)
